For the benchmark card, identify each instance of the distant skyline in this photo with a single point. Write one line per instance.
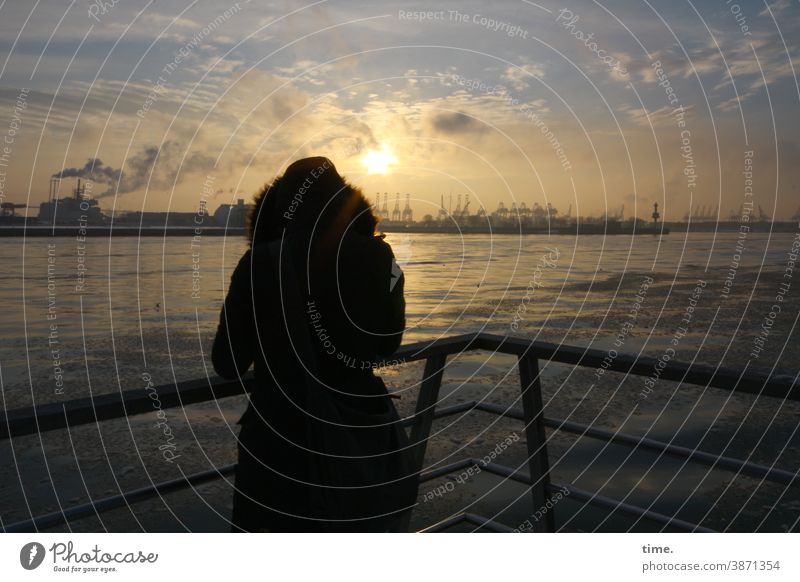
(581, 104)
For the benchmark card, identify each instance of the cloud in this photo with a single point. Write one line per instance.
(660, 117)
(520, 76)
(776, 7)
(455, 123)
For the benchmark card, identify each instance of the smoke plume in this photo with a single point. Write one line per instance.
(152, 167)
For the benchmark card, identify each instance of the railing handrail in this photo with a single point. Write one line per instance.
(57, 415)
(52, 416)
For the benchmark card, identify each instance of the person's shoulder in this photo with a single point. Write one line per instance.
(243, 266)
(262, 251)
(245, 259)
(367, 247)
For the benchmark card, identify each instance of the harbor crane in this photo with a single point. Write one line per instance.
(408, 214)
(396, 210)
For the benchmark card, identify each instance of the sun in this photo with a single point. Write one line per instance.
(378, 161)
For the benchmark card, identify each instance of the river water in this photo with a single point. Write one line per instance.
(96, 317)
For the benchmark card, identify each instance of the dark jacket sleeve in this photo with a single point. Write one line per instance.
(387, 284)
(396, 308)
(232, 353)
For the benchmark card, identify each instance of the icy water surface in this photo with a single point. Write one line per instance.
(148, 308)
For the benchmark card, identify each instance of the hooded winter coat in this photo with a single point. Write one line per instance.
(355, 316)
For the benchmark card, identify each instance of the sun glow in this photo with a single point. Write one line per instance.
(378, 161)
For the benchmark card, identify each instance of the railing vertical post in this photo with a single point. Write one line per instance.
(426, 406)
(423, 416)
(538, 463)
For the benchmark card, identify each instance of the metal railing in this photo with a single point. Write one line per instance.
(55, 416)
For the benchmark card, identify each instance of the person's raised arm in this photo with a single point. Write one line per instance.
(395, 306)
(385, 290)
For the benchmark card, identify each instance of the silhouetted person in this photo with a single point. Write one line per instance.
(354, 316)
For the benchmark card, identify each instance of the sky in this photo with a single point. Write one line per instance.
(588, 106)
